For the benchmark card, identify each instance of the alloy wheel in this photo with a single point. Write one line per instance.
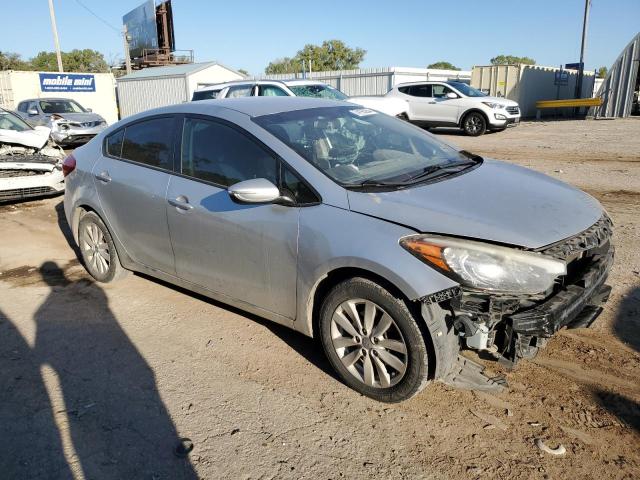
(473, 124)
(369, 343)
(96, 249)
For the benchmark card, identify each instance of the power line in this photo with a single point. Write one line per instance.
(98, 17)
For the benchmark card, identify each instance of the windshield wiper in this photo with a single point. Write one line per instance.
(375, 183)
(435, 171)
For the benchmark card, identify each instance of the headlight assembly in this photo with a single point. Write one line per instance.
(497, 106)
(483, 266)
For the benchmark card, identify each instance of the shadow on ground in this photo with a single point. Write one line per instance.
(82, 400)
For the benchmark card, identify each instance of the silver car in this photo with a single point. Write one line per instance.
(70, 123)
(394, 249)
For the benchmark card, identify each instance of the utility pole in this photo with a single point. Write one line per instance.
(127, 56)
(55, 36)
(585, 26)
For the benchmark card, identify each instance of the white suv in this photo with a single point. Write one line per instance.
(456, 104)
(395, 107)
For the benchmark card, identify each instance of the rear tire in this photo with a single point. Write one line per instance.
(98, 251)
(373, 341)
(474, 124)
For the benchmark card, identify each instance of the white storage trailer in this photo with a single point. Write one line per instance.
(161, 86)
(91, 90)
(527, 84)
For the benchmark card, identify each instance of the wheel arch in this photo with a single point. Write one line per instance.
(473, 110)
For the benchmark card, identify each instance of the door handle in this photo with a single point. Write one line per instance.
(103, 177)
(432, 103)
(180, 202)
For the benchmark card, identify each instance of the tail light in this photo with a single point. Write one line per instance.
(69, 165)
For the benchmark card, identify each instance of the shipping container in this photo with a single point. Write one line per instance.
(161, 86)
(91, 90)
(527, 84)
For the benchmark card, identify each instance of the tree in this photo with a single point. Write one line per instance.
(86, 60)
(443, 66)
(243, 72)
(331, 55)
(12, 61)
(602, 72)
(511, 60)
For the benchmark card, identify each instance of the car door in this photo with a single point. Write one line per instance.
(444, 109)
(420, 99)
(131, 178)
(245, 252)
(38, 117)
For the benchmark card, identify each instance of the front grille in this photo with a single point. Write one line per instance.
(513, 110)
(17, 193)
(21, 173)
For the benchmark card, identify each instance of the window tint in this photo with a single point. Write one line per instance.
(404, 90)
(240, 91)
(420, 91)
(205, 95)
(217, 153)
(439, 91)
(299, 190)
(149, 142)
(114, 143)
(271, 91)
(22, 107)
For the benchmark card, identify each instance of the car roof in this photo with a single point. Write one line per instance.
(251, 106)
(292, 82)
(423, 82)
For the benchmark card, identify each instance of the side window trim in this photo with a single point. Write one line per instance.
(176, 126)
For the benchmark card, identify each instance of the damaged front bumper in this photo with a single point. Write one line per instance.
(515, 327)
(29, 176)
(73, 133)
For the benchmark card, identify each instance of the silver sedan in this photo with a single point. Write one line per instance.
(392, 248)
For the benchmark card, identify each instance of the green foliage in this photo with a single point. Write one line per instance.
(12, 61)
(442, 65)
(512, 60)
(331, 55)
(86, 60)
(602, 72)
(243, 72)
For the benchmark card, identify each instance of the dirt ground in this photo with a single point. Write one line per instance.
(100, 381)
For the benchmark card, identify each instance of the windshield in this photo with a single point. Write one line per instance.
(318, 91)
(466, 89)
(61, 106)
(9, 121)
(355, 145)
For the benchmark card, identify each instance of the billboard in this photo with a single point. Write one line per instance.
(141, 27)
(67, 82)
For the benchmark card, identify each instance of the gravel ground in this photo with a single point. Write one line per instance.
(100, 381)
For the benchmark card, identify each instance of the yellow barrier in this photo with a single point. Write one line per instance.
(575, 102)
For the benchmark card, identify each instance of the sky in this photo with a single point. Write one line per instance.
(249, 34)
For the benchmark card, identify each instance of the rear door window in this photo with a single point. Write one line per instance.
(239, 91)
(220, 154)
(205, 95)
(150, 142)
(420, 91)
(271, 91)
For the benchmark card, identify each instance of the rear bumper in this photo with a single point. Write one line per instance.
(575, 306)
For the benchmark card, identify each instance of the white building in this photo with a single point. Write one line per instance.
(91, 90)
(160, 86)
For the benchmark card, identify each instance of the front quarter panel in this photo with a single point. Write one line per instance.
(331, 238)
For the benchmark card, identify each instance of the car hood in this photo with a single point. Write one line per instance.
(502, 100)
(390, 105)
(35, 138)
(496, 201)
(81, 117)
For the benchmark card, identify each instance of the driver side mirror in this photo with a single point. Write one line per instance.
(257, 190)
(32, 111)
(451, 95)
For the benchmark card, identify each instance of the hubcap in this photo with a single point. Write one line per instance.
(369, 343)
(474, 123)
(95, 249)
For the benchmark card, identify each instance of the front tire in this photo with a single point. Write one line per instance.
(474, 124)
(373, 341)
(98, 251)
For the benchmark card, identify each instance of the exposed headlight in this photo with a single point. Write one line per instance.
(483, 266)
(497, 106)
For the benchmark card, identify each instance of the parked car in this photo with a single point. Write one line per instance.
(390, 246)
(30, 166)
(70, 122)
(298, 88)
(456, 104)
